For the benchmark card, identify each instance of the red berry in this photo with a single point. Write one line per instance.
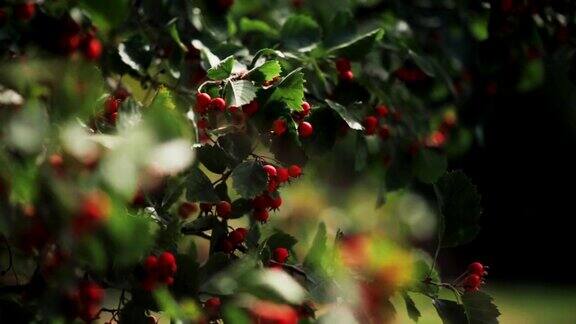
(270, 170)
(186, 209)
(272, 185)
(150, 263)
(25, 11)
(343, 65)
(384, 132)
(305, 108)
(206, 207)
(91, 292)
(260, 202)
(382, 111)
(218, 104)
(202, 102)
(275, 203)
(93, 49)
(305, 129)
(227, 246)
(202, 123)
(223, 209)
(436, 139)
(295, 171)
(279, 127)
(169, 281)
(56, 161)
(261, 215)
(212, 305)
(347, 75)
(69, 43)
(282, 175)
(472, 282)
(370, 125)
(251, 108)
(112, 104)
(167, 263)
(238, 235)
(280, 254)
(476, 268)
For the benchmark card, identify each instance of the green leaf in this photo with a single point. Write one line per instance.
(300, 33)
(421, 274)
(136, 54)
(450, 312)
(430, 165)
(265, 72)
(213, 158)
(239, 92)
(460, 208)
(240, 207)
(290, 91)
(357, 47)
(200, 224)
(173, 31)
(222, 70)
(317, 251)
(280, 239)
(361, 159)
(249, 179)
(411, 308)
(237, 145)
(255, 26)
(479, 308)
(106, 14)
(199, 187)
(236, 315)
(350, 119)
(424, 63)
(342, 29)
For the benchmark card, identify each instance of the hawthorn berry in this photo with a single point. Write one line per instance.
(347, 75)
(382, 111)
(436, 139)
(261, 215)
(150, 263)
(279, 127)
(25, 11)
(93, 49)
(238, 235)
(56, 162)
(227, 246)
(212, 305)
(282, 175)
(305, 129)
(472, 282)
(218, 104)
(305, 108)
(69, 43)
(206, 207)
(167, 263)
(343, 65)
(370, 125)
(280, 254)
(275, 203)
(384, 132)
(203, 100)
(260, 202)
(112, 105)
(295, 171)
(93, 210)
(251, 108)
(272, 185)
(270, 170)
(223, 209)
(476, 268)
(186, 209)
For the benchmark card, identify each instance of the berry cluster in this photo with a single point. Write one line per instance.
(344, 69)
(375, 124)
(475, 276)
(234, 239)
(305, 129)
(84, 301)
(159, 269)
(271, 198)
(22, 12)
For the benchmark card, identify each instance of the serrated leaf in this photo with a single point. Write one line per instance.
(350, 119)
(460, 209)
(479, 308)
(106, 14)
(239, 93)
(357, 46)
(266, 72)
(300, 33)
(450, 312)
(249, 179)
(290, 90)
(240, 207)
(222, 70)
(238, 146)
(199, 187)
(421, 273)
(411, 308)
(341, 30)
(248, 25)
(280, 239)
(430, 165)
(213, 158)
